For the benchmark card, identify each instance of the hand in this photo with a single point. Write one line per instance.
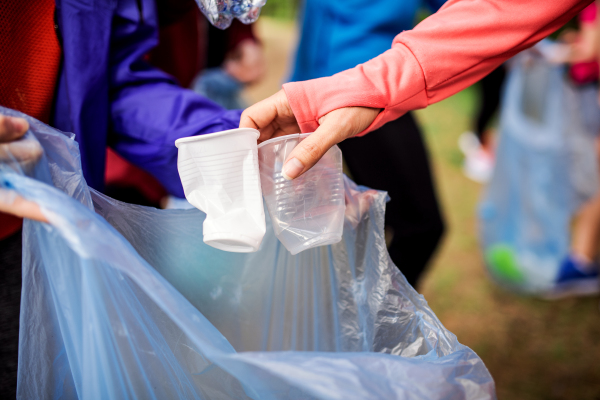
(246, 63)
(14, 147)
(274, 117)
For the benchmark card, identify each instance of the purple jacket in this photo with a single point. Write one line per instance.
(108, 95)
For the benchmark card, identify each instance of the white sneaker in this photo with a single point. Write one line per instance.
(468, 143)
(479, 164)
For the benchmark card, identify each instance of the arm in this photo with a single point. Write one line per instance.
(447, 52)
(450, 50)
(149, 111)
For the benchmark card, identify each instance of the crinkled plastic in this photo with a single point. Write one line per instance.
(308, 211)
(219, 174)
(220, 13)
(545, 168)
(124, 301)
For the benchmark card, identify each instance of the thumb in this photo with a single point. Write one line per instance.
(309, 151)
(334, 127)
(12, 128)
(12, 203)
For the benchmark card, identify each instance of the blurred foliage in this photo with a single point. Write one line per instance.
(281, 9)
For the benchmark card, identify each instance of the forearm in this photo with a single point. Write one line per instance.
(447, 52)
(146, 121)
(148, 110)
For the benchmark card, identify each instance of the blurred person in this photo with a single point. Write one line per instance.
(578, 273)
(477, 145)
(235, 59)
(393, 158)
(188, 46)
(82, 68)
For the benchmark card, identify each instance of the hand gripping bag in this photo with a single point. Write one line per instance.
(545, 168)
(122, 301)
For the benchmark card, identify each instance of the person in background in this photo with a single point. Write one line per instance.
(393, 158)
(187, 46)
(578, 274)
(229, 68)
(478, 145)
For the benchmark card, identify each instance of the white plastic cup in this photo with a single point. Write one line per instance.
(308, 211)
(219, 173)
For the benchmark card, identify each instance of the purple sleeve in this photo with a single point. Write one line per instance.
(149, 111)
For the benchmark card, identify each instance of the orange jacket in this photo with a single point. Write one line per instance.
(447, 52)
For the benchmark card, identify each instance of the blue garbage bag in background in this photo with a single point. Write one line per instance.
(123, 301)
(545, 168)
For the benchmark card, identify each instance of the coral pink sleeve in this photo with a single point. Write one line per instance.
(588, 15)
(447, 52)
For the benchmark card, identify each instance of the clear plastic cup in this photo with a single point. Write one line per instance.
(308, 211)
(219, 173)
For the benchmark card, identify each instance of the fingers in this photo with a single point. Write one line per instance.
(272, 116)
(259, 115)
(334, 127)
(310, 150)
(24, 151)
(11, 203)
(12, 128)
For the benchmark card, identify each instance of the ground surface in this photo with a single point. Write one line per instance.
(534, 349)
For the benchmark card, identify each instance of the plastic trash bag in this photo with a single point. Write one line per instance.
(124, 301)
(545, 168)
(220, 13)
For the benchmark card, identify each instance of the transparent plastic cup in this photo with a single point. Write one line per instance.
(219, 173)
(308, 211)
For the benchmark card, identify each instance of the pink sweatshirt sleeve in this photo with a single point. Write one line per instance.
(447, 52)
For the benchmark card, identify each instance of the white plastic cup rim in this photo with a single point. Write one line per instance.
(198, 138)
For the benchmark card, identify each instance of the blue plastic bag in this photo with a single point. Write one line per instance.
(545, 168)
(124, 301)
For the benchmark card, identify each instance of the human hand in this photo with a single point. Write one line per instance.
(12, 128)
(274, 117)
(12, 144)
(246, 63)
(26, 152)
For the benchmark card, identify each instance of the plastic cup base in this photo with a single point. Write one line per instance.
(324, 240)
(232, 242)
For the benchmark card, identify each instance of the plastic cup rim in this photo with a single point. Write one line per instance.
(280, 138)
(214, 135)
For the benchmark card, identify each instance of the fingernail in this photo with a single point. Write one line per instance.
(19, 124)
(292, 169)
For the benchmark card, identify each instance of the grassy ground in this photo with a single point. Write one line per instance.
(534, 349)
